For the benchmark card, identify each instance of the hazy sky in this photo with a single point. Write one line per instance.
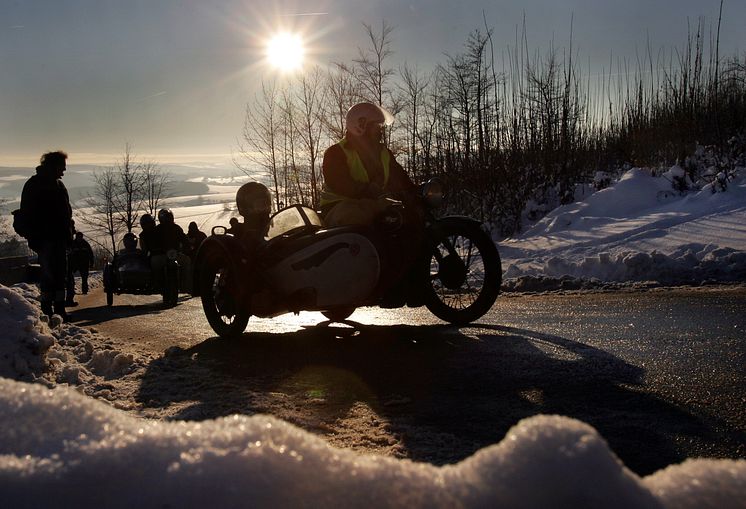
(173, 77)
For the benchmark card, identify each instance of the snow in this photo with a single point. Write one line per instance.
(69, 436)
(638, 229)
(60, 446)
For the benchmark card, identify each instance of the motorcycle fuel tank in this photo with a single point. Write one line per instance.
(338, 270)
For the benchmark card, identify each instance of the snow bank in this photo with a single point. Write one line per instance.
(638, 229)
(25, 338)
(34, 350)
(59, 447)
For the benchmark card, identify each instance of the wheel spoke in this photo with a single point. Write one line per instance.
(464, 296)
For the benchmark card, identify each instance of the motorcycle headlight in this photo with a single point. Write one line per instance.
(433, 193)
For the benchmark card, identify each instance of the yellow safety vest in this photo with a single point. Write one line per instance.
(357, 172)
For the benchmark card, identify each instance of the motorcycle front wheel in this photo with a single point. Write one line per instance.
(465, 274)
(225, 313)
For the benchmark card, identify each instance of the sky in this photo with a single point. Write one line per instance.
(58, 444)
(173, 77)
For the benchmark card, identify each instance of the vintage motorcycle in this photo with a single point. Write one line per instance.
(300, 265)
(130, 272)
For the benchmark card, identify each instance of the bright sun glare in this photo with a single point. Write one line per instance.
(285, 51)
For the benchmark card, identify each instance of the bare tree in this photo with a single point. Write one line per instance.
(128, 199)
(291, 173)
(413, 90)
(103, 217)
(156, 186)
(310, 100)
(261, 139)
(342, 91)
(371, 68)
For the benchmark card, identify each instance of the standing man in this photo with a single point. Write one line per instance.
(46, 205)
(81, 259)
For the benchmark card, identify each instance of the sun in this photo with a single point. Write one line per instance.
(285, 51)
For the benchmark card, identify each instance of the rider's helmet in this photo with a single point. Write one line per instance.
(165, 216)
(254, 199)
(362, 114)
(146, 221)
(130, 241)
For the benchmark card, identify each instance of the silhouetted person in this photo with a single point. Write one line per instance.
(254, 203)
(46, 205)
(170, 236)
(360, 170)
(148, 240)
(80, 260)
(129, 243)
(195, 238)
(235, 228)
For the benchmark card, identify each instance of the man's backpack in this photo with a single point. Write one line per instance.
(22, 223)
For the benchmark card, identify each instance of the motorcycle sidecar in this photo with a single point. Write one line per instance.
(131, 273)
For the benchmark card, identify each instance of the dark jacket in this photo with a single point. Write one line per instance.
(170, 236)
(195, 239)
(46, 203)
(149, 242)
(81, 254)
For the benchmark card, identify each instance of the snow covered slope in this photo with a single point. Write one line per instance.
(638, 229)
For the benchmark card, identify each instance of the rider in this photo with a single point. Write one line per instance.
(254, 203)
(148, 240)
(360, 173)
(169, 236)
(360, 170)
(195, 237)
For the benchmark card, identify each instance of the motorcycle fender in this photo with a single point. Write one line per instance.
(339, 270)
(226, 243)
(435, 228)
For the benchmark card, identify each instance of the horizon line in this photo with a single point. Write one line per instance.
(105, 159)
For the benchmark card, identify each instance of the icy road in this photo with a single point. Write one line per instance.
(660, 373)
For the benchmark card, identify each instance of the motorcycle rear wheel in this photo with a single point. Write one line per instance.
(465, 277)
(227, 316)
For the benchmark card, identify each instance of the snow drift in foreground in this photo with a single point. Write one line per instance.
(60, 448)
(638, 229)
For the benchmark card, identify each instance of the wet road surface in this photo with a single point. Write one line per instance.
(660, 373)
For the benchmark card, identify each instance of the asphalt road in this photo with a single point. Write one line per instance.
(660, 373)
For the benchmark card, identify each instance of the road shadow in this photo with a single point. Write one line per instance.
(94, 315)
(441, 391)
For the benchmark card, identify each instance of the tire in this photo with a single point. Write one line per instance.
(464, 283)
(109, 299)
(227, 316)
(338, 314)
(171, 285)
